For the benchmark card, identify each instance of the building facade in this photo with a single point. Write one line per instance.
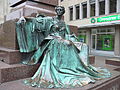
(98, 23)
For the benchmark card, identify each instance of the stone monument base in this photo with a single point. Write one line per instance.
(19, 71)
(112, 83)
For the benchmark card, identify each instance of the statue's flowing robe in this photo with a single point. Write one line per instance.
(32, 32)
(65, 61)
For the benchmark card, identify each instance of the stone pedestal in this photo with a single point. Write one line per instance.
(8, 35)
(16, 71)
(14, 3)
(30, 8)
(10, 56)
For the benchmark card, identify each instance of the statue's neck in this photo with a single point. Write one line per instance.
(59, 17)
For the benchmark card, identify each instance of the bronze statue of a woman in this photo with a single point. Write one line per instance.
(65, 62)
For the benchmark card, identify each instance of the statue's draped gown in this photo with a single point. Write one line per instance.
(65, 61)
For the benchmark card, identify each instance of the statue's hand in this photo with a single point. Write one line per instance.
(56, 26)
(22, 20)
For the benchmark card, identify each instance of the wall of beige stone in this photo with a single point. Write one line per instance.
(4, 9)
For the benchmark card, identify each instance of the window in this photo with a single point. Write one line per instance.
(103, 39)
(84, 5)
(71, 13)
(113, 5)
(82, 36)
(101, 7)
(77, 12)
(92, 8)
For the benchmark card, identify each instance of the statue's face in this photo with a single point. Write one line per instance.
(60, 11)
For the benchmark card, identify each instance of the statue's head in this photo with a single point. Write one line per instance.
(60, 10)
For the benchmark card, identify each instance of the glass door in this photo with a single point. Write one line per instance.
(94, 41)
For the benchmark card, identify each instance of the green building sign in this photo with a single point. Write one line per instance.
(106, 19)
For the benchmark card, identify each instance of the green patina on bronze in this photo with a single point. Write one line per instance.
(65, 62)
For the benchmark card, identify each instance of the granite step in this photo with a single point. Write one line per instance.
(16, 71)
(113, 61)
(117, 69)
(10, 56)
(2, 56)
(112, 83)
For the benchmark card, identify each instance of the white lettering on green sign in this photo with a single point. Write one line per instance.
(105, 19)
(108, 18)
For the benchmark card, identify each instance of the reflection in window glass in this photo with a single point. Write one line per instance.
(92, 9)
(84, 10)
(71, 13)
(77, 11)
(101, 30)
(105, 42)
(113, 4)
(93, 41)
(82, 36)
(102, 7)
(99, 42)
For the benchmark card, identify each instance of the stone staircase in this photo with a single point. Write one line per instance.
(11, 68)
(15, 71)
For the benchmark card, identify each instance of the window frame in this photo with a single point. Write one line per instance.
(84, 3)
(77, 11)
(70, 14)
(102, 6)
(101, 33)
(112, 5)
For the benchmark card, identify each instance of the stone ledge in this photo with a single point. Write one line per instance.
(10, 56)
(16, 71)
(115, 62)
(117, 69)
